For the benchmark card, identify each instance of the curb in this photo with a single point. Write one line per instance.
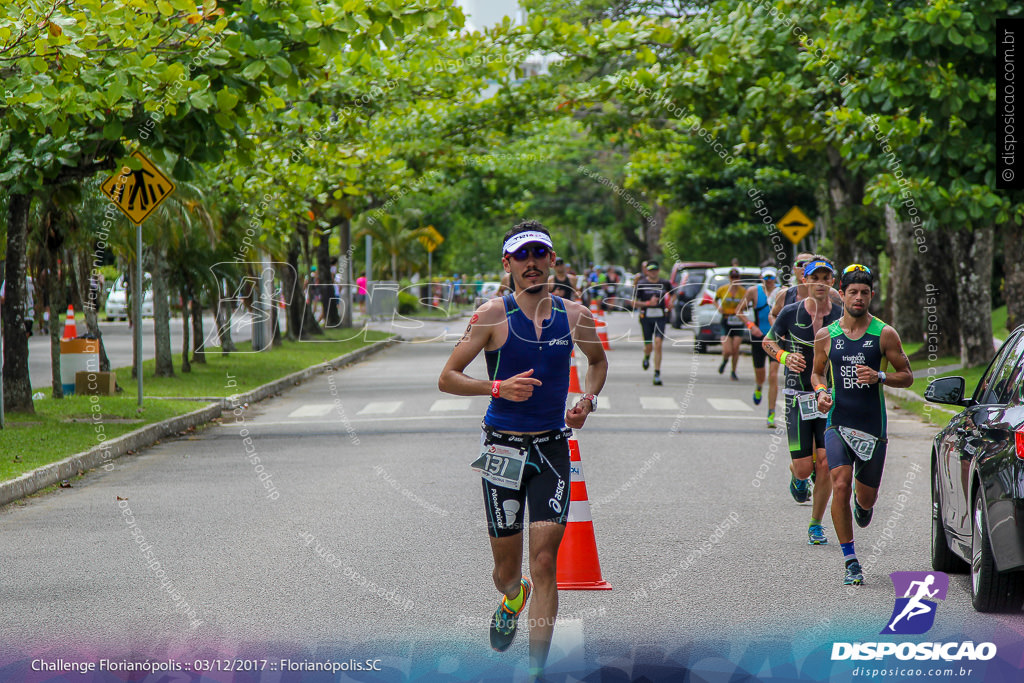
(105, 453)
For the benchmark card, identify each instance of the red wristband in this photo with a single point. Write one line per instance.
(496, 389)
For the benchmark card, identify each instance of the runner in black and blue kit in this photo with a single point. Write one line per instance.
(855, 350)
(796, 327)
(527, 339)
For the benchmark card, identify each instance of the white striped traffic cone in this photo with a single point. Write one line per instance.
(578, 567)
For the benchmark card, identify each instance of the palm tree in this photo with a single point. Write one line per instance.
(393, 234)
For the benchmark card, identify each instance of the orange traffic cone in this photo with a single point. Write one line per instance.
(602, 333)
(574, 377)
(595, 307)
(578, 566)
(69, 325)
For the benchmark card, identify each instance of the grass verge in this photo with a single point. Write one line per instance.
(61, 428)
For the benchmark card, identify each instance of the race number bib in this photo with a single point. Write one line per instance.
(733, 320)
(654, 312)
(860, 442)
(501, 465)
(808, 403)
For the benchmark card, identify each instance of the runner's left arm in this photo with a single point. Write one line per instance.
(749, 297)
(901, 376)
(585, 336)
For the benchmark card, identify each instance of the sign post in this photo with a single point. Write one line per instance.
(137, 194)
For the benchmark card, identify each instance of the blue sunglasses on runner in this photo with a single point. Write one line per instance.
(523, 253)
(817, 265)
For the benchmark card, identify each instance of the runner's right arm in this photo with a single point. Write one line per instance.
(822, 341)
(780, 302)
(479, 331)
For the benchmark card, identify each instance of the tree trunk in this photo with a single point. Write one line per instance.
(332, 315)
(186, 341)
(227, 344)
(91, 298)
(942, 297)
(653, 227)
(57, 295)
(905, 298)
(972, 251)
(17, 383)
(345, 270)
(850, 217)
(1013, 268)
(295, 300)
(161, 314)
(198, 336)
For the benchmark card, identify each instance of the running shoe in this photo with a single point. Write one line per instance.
(757, 396)
(771, 419)
(721, 368)
(816, 535)
(854, 576)
(657, 378)
(504, 621)
(798, 488)
(647, 362)
(733, 376)
(860, 515)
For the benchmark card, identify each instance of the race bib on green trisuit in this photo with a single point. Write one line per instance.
(808, 403)
(860, 442)
(501, 465)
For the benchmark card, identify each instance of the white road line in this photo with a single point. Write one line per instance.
(566, 646)
(443, 405)
(312, 410)
(658, 403)
(600, 417)
(380, 408)
(729, 404)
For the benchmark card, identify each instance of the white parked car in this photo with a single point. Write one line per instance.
(117, 299)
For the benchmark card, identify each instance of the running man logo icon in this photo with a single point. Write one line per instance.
(914, 613)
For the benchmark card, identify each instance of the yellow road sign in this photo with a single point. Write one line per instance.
(432, 240)
(795, 225)
(138, 193)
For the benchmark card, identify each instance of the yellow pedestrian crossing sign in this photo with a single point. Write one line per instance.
(138, 193)
(431, 239)
(795, 225)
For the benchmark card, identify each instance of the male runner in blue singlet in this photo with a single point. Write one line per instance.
(854, 349)
(527, 340)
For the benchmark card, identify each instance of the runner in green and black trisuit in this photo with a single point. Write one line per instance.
(855, 350)
(796, 327)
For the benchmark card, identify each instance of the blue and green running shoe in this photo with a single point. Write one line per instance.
(799, 489)
(757, 396)
(505, 620)
(816, 535)
(854, 576)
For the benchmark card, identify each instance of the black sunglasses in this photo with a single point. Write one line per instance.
(523, 253)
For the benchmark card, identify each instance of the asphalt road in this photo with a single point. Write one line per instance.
(369, 466)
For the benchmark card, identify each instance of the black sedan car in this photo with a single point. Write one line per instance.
(978, 481)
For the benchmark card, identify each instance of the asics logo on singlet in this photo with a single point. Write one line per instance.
(558, 342)
(554, 502)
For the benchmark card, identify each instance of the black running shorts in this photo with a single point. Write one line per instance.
(804, 435)
(545, 486)
(757, 352)
(839, 453)
(652, 327)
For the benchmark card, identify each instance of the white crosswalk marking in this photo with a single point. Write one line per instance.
(658, 403)
(380, 408)
(312, 410)
(451, 404)
(729, 404)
